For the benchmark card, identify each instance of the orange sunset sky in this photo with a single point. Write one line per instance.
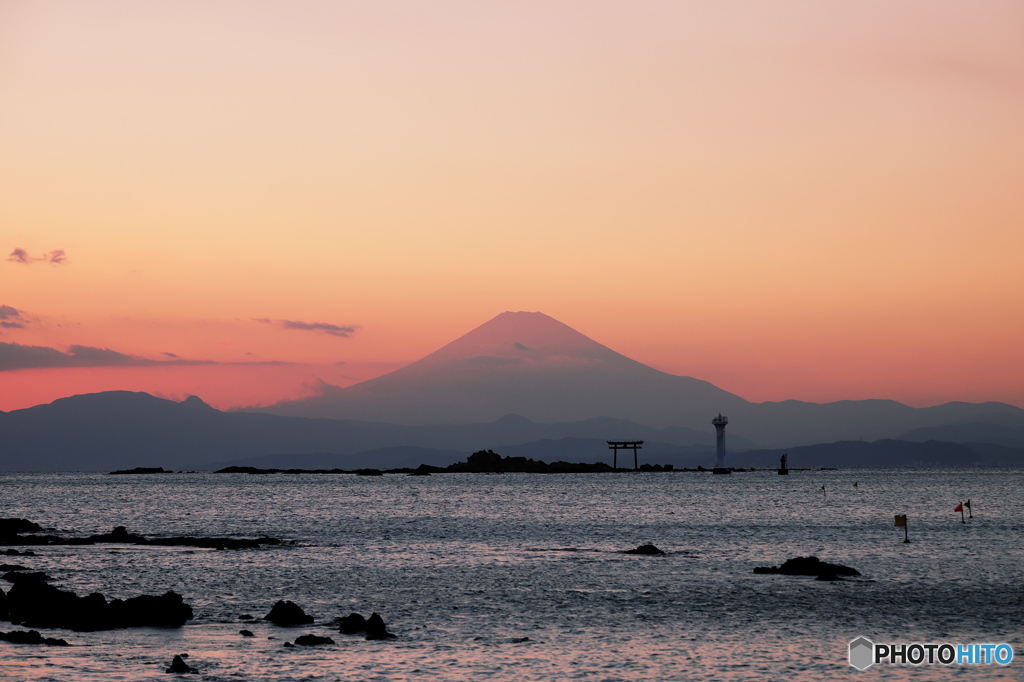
(792, 199)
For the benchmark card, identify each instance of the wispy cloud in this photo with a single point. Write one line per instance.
(11, 318)
(17, 356)
(342, 331)
(20, 255)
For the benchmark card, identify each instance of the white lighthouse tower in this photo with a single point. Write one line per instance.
(719, 423)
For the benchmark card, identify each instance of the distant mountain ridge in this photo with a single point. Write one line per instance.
(123, 430)
(530, 364)
(520, 379)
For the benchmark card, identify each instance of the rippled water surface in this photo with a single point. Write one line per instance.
(465, 567)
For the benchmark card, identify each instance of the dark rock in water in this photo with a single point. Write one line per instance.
(246, 633)
(14, 552)
(178, 665)
(289, 645)
(520, 640)
(30, 637)
(3, 605)
(352, 624)
(35, 603)
(287, 613)
(484, 460)
(246, 616)
(244, 470)
(15, 576)
(167, 611)
(13, 567)
(649, 550)
(141, 470)
(375, 628)
(18, 526)
(120, 534)
(313, 640)
(811, 565)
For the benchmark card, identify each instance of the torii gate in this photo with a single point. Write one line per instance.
(616, 445)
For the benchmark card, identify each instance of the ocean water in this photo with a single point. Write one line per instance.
(521, 576)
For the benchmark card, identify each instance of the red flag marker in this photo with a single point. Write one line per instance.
(960, 508)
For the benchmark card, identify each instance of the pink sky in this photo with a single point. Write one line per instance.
(803, 200)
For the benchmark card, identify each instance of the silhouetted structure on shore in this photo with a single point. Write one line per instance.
(719, 423)
(616, 445)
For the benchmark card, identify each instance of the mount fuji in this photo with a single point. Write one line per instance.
(529, 364)
(520, 363)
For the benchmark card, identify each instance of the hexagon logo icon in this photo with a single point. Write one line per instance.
(862, 653)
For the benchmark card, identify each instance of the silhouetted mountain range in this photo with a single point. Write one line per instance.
(996, 434)
(122, 430)
(523, 382)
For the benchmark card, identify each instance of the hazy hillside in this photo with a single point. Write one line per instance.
(880, 453)
(120, 429)
(997, 434)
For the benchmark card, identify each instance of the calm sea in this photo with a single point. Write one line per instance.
(520, 576)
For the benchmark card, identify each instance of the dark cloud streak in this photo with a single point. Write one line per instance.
(11, 318)
(14, 356)
(341, 331)
(55, 257)
(20, 255)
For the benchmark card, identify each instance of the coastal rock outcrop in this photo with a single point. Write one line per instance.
(20, 574)
(18, 526)
(23, 532)
(30, 637)
(649, 550)
(312, 640)
(352, 624)
(141, 470)
(375, 628)
(178, 665)
(811, 565)
(34, 603)
(287, 613)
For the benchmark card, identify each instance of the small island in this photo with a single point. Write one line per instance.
(480, 462)
(141, 470)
